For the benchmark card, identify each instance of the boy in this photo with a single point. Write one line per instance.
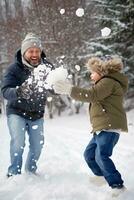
(107, 114)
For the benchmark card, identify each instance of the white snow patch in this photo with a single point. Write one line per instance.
(34, 127)
(62, 171)
(41, 142)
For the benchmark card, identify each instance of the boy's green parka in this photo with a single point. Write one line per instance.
(106, 101)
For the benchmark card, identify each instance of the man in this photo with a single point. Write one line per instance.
(25, 105)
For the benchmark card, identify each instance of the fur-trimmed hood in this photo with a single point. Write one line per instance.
(104, 67)
(120, 78)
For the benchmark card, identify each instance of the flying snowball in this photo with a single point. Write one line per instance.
(70, 76)
(63, 56)
(49, 99)
(80, 12)
(77, 67)
(105, 32)
(58, 74)
(62, 11)
(73, 101)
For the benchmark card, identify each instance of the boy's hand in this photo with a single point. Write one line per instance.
(62, 87)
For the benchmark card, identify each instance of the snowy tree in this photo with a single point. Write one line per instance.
(119, 19)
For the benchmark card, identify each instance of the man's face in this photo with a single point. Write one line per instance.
(33, 56)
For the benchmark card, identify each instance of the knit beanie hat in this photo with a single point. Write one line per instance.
(31, 40)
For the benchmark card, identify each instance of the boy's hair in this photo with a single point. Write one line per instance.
(104, 65)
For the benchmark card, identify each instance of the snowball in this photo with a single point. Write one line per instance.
(105, 32)
(80, 12)
(70, 76)
(62, 11)
(34, 127)
(77, 67)
(73, 101)
(58, 74)
(49, 99)
(63, 56)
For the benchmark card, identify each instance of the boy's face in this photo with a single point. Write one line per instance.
(95, 76)
(33, 56)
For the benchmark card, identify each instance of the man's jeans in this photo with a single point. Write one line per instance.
(18, 126)
(97, 155)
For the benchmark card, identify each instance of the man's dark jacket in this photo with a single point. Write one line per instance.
(16, 74)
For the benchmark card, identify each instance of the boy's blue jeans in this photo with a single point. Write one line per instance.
(18, 126)
(97, 155)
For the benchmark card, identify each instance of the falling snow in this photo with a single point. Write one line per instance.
(105, 32)
(80, 12)
(62, 11)
(77, 67)
(49, 99)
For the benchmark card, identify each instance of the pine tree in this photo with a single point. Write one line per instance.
(118, 15)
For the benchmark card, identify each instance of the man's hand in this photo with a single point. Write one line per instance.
(62, 87)
(24, 91)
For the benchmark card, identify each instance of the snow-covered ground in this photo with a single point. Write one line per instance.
(63, 173)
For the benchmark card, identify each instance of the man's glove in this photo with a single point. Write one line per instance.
(62, 87)
(24, 91)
